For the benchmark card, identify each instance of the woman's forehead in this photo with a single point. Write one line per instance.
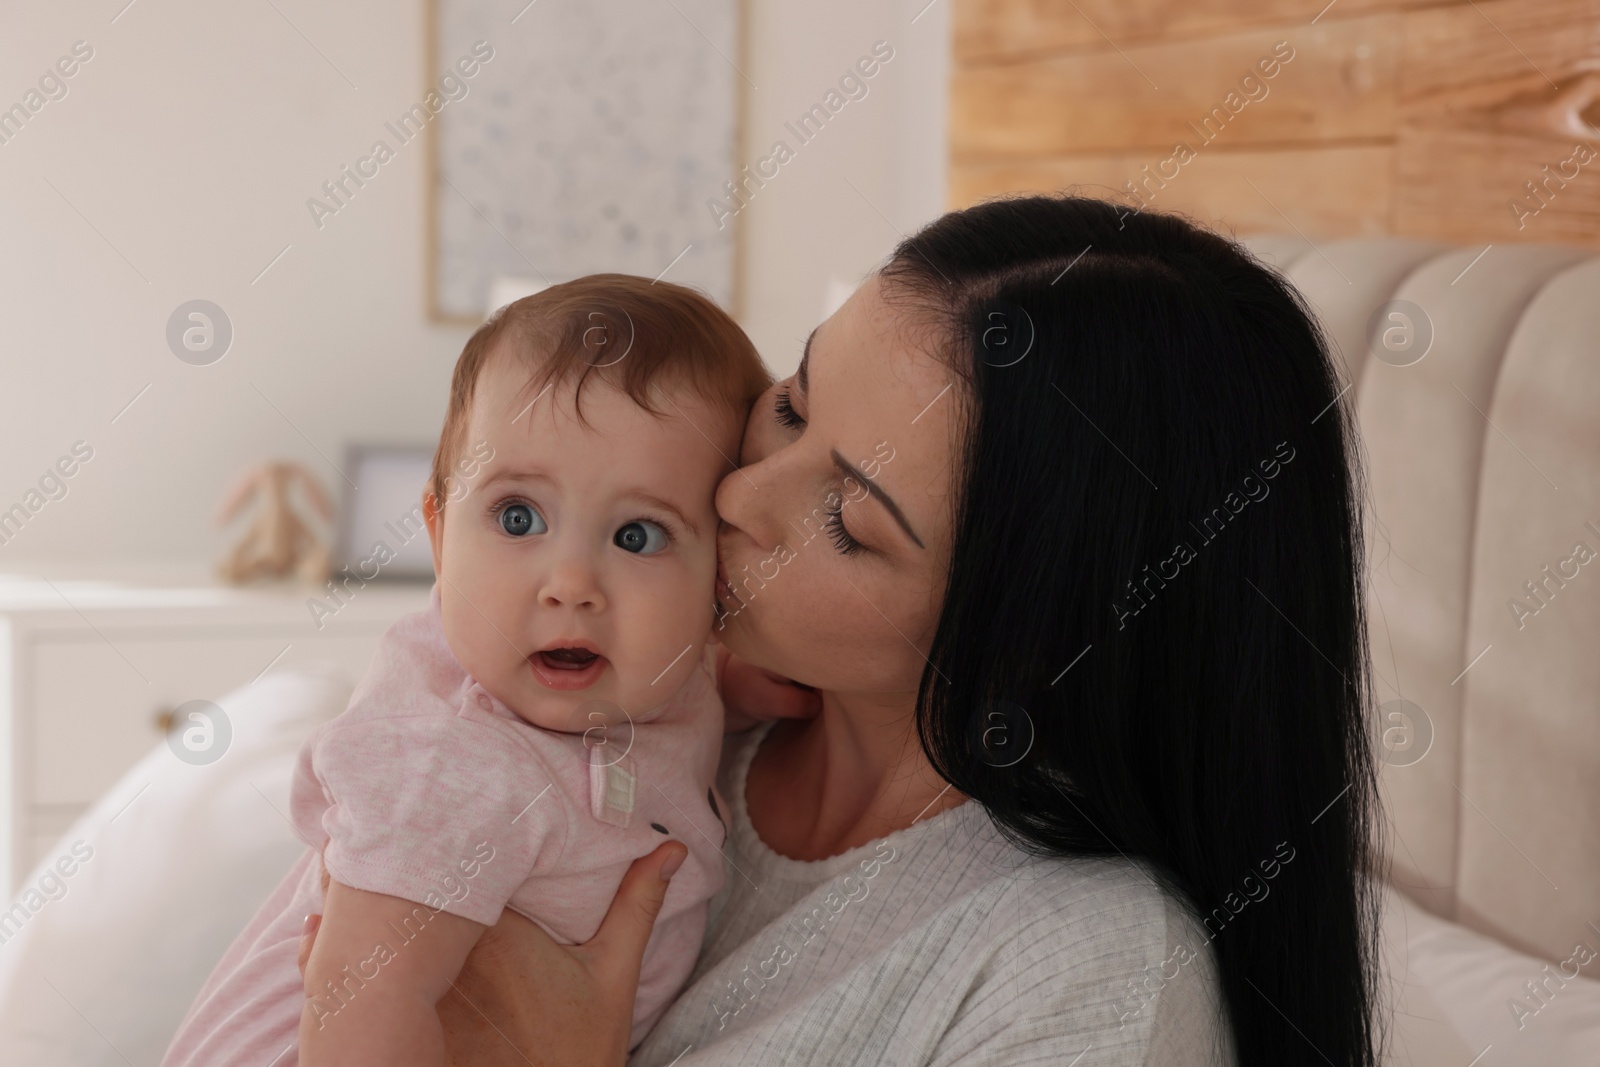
(874, 381)
(875, 354)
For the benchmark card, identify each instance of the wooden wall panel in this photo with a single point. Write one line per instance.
(999, 30)
(1498, 110)
(1459, 52)
(1460, 184)
(1343, 190)
(1339, 84)
(1428, 118)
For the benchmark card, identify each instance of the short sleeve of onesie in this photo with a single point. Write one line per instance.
(444, 810)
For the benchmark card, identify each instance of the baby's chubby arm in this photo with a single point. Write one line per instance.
(371, 995)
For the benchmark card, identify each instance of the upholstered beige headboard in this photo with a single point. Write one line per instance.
(1478, 400)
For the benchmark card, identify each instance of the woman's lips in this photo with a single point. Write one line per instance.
(724, 588)
(562, 673)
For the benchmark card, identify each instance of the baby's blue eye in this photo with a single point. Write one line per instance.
(641, 536)
(519, 520)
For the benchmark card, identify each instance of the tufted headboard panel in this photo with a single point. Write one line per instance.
(1478, 400)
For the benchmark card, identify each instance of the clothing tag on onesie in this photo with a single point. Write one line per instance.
(612, 784)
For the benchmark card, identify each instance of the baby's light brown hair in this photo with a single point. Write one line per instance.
(635, 334)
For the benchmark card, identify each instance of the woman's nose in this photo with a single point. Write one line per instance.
(572, 583)
(746, 500)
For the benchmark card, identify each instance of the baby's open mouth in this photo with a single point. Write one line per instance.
(567, 659)
(568, 665)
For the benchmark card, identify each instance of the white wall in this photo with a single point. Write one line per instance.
(808, 224)
(183, 154)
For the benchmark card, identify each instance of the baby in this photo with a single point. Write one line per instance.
(549, 718)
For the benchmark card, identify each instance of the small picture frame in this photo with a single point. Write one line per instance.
(381, 534)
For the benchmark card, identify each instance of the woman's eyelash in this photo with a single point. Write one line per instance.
(785, 411)
(842, 541)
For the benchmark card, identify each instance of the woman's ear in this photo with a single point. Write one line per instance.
(433, 517)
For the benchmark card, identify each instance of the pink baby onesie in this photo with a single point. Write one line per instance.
(429, 789)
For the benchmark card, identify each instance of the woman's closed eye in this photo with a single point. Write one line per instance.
(843, 542)
(785, 413)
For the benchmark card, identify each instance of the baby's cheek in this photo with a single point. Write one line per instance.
(460, 636)
(479, 644)
(664, 626)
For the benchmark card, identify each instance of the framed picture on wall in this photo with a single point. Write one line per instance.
(380, 534)
(571, 138)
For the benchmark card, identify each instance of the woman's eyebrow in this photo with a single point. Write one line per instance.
(805, 361)
(874, 489)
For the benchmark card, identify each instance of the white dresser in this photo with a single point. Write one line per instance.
(91, 672)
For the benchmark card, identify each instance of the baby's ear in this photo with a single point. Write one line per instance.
(433, 518)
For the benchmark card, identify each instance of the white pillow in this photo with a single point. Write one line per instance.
(1456, 988)
(179, 858)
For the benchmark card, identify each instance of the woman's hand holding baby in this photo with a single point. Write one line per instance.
(519, 992)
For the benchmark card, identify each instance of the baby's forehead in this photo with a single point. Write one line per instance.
(514, 381)
(602, 429)
(508, 371)
(508, 392)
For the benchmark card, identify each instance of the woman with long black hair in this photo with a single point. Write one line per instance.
(1057, 526)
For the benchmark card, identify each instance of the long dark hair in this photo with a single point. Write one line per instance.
(1153, 639)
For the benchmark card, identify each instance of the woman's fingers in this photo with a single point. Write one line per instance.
(520, 990)
(620, 941)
